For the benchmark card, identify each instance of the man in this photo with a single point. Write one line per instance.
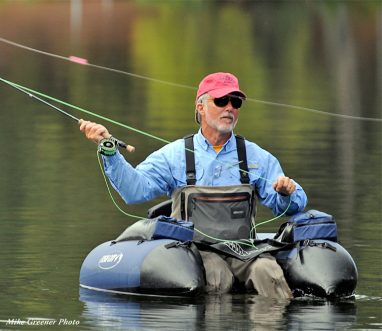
(213, 184)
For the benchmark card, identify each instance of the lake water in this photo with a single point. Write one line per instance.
(323, 57)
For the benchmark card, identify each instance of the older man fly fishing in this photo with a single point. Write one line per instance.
(213, 178)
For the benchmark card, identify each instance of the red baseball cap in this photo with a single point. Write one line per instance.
(218, 85)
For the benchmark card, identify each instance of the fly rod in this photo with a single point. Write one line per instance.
(120, 143)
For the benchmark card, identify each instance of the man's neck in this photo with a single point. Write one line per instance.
(216, 138)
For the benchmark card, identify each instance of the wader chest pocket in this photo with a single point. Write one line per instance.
(221, 215)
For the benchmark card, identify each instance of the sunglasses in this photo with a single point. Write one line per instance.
(223, 101)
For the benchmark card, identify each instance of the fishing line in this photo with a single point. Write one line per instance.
(110, 194)
(253, 229)
(82, 61)
(316, 111)
(120, 143)
(46, 103)
(243, 242)
(32, 93)
(255, 226)
(141, 217)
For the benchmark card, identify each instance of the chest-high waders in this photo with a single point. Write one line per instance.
(223, 216)
(219, 213)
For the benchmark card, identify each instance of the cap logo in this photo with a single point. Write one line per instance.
(228, 80)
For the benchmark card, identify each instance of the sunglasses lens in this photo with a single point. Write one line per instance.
(236, 102)
(223, 101)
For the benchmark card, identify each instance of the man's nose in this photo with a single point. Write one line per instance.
(229, 106)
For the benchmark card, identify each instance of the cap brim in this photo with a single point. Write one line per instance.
(218, 93)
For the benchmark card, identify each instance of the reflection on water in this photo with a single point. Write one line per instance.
(321, 315)
(227, 312)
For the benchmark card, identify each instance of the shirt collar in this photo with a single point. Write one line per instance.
(204, 143)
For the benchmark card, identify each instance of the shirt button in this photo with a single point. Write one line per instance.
(217, 171)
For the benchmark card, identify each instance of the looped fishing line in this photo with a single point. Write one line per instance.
(109, 191)
(243, 242)
(248, 242)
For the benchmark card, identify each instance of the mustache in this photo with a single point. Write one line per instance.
(228, 115)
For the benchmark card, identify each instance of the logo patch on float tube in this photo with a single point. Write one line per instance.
(109, 261)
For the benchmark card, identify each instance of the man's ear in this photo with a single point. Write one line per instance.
(200, 108)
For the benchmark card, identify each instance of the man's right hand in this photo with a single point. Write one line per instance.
(93, 131)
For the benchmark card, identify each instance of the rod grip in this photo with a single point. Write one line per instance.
(129, 148)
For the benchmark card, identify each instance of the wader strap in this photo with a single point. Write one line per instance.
(242, 156)
(190, 160)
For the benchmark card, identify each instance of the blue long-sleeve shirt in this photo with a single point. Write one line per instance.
(165, 170)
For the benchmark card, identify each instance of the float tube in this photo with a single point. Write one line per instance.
(155, 267)
(169, 267)
(319, 268)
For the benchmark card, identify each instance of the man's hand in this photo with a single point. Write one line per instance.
(284, 185)
(93, 131)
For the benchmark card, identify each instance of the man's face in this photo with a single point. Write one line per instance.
(221, 119)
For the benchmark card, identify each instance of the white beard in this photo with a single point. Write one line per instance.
(219, 125)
